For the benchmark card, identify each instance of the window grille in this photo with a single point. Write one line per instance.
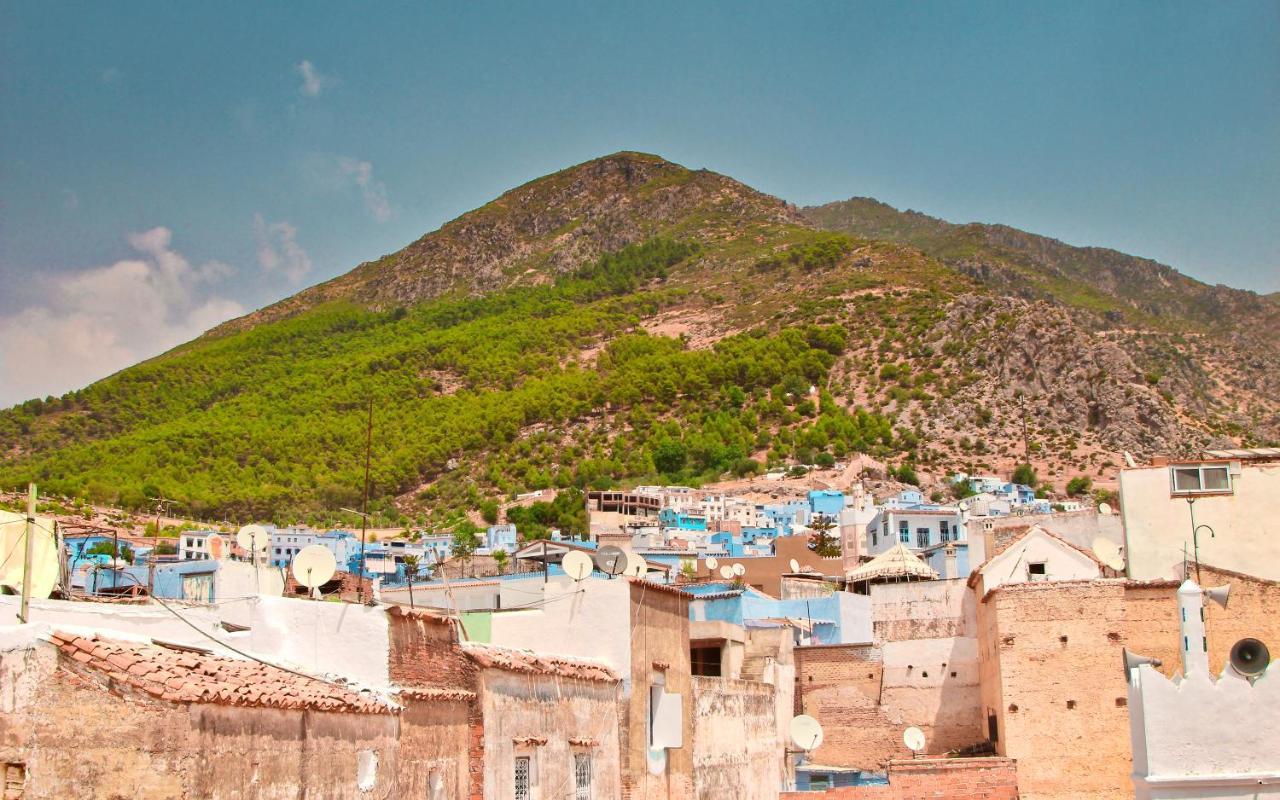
(944, 531)
(522, 778)
(904, 532)
(582, 776)
(922, 538)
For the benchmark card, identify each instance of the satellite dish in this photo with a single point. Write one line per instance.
(636, 566)
(726, 572)
(611, 560)
(314, 565)
(44, 554)
(712, 563)
(253, 539)
(577, 565)
(217, 547)
(1104, 509)
(964, 506)
(913, 738)
(1108, 552)
(739, 570)
(795, 565)
(806, 732)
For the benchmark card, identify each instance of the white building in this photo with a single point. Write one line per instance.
(1232, 496)
(286, 542)
(1197, 736)
(194, 545)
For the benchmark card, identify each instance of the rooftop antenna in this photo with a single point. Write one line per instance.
(364, 506)
(313, 566)
(611, 560)
(1195, 536)
(1108, 552)
(254, 539)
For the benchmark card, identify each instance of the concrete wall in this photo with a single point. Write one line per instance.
(586, 619)
(922, 610)
(538, 716)
(126, 621)
(1080, 528)
(1051, 670)
(1158, 523)
(77, 739)
(736, 751)
(338, 638)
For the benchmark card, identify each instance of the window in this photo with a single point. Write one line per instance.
(15, 781)
(1195, 478)
(904, 532)
(875, 539)
(819, 783)
(581, 776)
(523, 767)
(1037, 571)
(944, 531)
(705, 660)
(922, 538)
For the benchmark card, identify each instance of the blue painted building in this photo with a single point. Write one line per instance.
(501, 537)
(837, 618)
(783, 516)
(681, 520)
(827, 502)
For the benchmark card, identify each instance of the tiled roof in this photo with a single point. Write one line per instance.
(191, 677)
(660, 587)
(537, 664)
(435, 693)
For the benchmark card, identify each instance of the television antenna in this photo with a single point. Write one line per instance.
(806, 732)
(253, 539)
(913, 738)
(577, 565)
(313, 566)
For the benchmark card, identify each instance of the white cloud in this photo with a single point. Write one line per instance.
(313, 82)
(374, 191)
(278, 249)
(100, 320)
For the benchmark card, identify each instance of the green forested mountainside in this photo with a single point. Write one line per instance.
(631, 320)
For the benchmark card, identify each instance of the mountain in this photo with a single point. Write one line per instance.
(629, 319)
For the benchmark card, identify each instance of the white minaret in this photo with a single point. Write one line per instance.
(1195, 646)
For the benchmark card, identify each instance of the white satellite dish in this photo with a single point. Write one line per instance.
(577, 565)
(1104, 509)
(636, 566)
(43, 576)
(795, 565)
(253, 539)
(739, 570)
(806, 732)
(314, 565)
(1108, 552)
(712, 563)
(726, 572)
(913, 738)
(964, 506)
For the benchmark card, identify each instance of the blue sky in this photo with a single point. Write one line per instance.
(166, 165)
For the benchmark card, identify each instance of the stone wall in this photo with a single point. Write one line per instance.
(88, 738)
(736, 751)
(985, 778)
(1052, 671)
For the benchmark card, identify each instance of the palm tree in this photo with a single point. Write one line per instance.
(411, 566)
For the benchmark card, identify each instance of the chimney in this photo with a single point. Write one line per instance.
(949, 562)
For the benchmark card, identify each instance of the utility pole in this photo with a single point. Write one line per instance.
(29, 533)
(151, 557)
(364, 507)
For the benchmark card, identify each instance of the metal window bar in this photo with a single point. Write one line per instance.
(582, 776)
(522, 778)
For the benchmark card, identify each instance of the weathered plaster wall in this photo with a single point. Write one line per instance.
(659, 654)
(128, 621)
(922, 610)
(338, 638)
(79, 738)
(538, 716)
(1158, 524)
(736, 751)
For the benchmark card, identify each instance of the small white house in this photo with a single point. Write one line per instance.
(1037, 556)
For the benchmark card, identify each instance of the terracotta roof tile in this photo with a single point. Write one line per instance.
(537, 664)
(188, 678)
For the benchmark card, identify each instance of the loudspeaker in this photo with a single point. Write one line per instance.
(1218, 594)
(1132, 661)
(1250, 657)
